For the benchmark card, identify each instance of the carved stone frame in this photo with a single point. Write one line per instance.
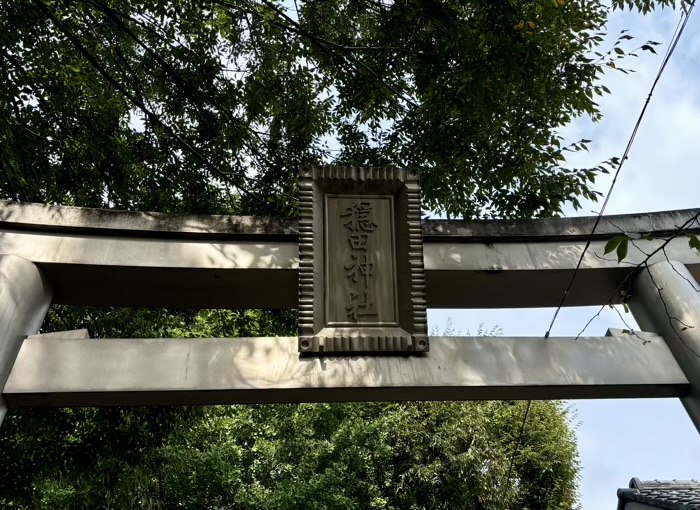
(316, 335)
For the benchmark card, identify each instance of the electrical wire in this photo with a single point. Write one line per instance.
(669, 52)
(672, 47)
(514, 455)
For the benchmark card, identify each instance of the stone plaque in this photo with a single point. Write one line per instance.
(361, 277)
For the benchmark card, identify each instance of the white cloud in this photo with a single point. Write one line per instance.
(660, 172)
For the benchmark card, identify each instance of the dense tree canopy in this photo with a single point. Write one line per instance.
(211, 106)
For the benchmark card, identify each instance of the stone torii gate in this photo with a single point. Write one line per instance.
(362, 269)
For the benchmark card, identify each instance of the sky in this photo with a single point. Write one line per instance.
(646, 438)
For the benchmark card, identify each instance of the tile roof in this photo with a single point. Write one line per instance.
(666, 494)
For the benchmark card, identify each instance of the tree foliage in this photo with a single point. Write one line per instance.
(344, 456)
(212, 105)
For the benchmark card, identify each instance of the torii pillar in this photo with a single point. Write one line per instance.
(665, 299)
(25, 296)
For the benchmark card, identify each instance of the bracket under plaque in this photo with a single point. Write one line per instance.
(361, 276)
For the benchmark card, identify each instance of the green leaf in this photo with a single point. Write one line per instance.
(694, 242)
(622, 249)
(612, 245)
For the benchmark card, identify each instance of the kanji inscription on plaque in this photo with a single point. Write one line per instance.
(361, 278)
(360, 261)
(360, 268)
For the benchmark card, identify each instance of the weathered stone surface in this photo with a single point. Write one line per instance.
(557, 229)
(75, 220)
(25, 296)
(45, 218)
(361, 276)
(103, 259)
(62, 372)
(665, 299)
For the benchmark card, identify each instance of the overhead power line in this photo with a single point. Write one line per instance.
(669, 52)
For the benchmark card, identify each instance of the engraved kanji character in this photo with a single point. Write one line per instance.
(359, 266)
(359, 241)
(359, 218)
(359, 306)
(353, 307)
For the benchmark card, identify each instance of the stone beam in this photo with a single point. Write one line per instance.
(535, 273)
(60, 371)
(125, 270)
(104, 257)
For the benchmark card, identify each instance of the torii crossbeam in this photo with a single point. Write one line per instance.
(96, 257)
